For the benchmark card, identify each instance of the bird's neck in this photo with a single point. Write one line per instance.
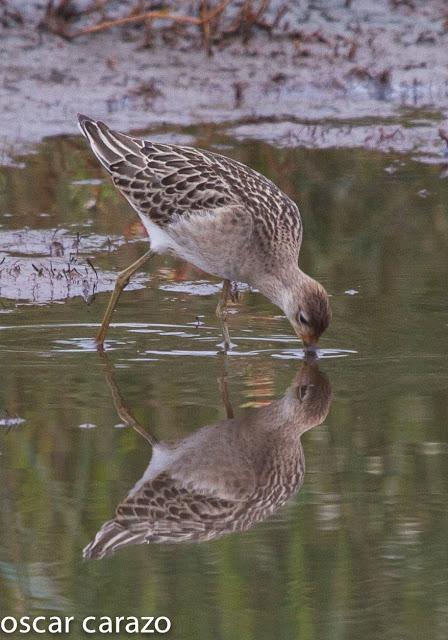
(281, 286)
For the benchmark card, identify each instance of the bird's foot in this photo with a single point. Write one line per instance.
(100, 346)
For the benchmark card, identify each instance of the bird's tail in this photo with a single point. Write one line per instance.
(111, 537)
(110, 146)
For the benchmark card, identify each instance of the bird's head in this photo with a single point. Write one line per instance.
(307, 307)
(303, 300)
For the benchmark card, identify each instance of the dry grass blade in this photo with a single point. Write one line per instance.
(152, 15)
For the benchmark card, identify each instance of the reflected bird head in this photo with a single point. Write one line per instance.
(312, 395)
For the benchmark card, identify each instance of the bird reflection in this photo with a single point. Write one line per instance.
(222, 478)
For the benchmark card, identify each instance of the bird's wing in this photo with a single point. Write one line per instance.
(167, 181)
(161, 181)
(166, 500)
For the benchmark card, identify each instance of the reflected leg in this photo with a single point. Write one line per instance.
(122, 410)
(225, 396)
(224, 389)
(122, 281)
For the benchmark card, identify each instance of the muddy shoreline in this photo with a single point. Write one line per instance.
(371, 75)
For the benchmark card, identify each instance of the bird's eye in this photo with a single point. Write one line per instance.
(303, 319)
(302, 391)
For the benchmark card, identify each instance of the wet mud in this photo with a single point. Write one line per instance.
(328, 74)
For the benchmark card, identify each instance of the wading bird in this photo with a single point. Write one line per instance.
(217, 214)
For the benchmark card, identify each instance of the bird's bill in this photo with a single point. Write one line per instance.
(309, 342)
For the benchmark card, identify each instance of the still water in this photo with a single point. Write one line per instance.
(328, 526)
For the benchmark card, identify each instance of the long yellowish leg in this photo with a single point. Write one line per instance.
(221, 313)
(122, 281)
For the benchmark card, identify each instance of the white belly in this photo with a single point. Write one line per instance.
(160, 241)
(207, 241)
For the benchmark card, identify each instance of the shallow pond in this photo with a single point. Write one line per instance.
(360, 549)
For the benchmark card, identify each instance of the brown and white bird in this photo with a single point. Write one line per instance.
(224, 477)
(217, 214)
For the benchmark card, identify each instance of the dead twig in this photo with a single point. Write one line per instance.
(90, 263)
(205, 26)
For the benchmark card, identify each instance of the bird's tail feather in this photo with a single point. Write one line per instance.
(110, 146)
(111, 537)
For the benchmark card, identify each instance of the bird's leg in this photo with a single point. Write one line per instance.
(122, 410)
(234, 293)
(122, 281)
(221, 313)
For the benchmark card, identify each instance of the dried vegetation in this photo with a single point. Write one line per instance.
(215, 19)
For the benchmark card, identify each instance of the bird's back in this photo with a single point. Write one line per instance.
(168, 182)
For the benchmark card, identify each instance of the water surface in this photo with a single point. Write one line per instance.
(360, 549)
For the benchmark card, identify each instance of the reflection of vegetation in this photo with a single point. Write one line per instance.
(362, 552)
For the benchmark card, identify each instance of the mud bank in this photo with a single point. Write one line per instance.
(351, 74)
